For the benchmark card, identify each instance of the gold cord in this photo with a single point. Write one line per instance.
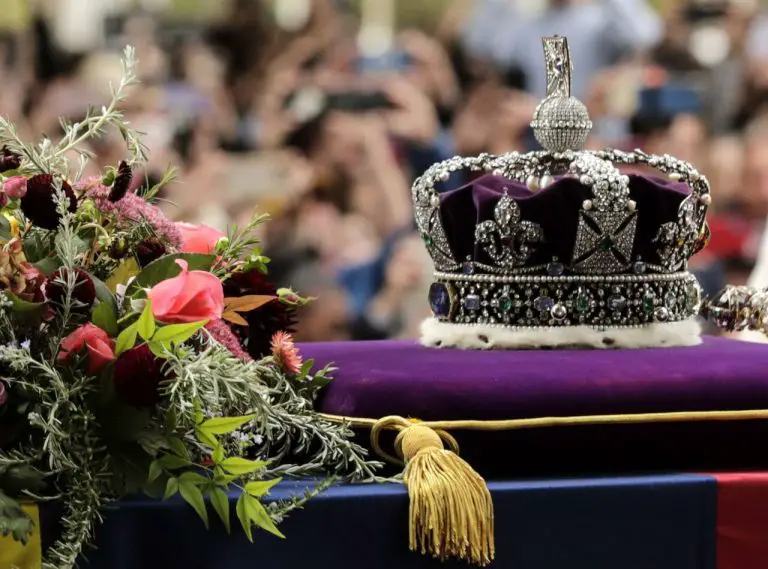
(399, 423)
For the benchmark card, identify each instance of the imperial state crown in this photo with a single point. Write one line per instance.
(560, 247)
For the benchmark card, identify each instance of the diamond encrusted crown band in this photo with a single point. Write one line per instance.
(564, 301)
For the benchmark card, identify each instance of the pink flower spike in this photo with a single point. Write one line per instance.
(286, 353)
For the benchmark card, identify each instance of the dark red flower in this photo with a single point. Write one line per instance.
(9, 160)
(39, 203)
(84, 292)
(137, 377)
(122, 182)
(149, 250)
(266, 320)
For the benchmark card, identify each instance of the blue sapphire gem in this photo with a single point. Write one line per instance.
(472, 302)
(468, 268)
(543, 304)
(555, 269)
(439, 300)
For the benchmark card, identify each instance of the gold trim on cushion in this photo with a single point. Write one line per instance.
(540, 422)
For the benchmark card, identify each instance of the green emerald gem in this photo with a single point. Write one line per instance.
(649, 302)
(505, 303)
(427, 239)
(606, 244)
(582, 303)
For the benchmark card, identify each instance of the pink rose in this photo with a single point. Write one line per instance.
(15, 187)
(101, 348)
(192, 296)
(198, 238)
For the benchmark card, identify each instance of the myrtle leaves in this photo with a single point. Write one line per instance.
(217, 477)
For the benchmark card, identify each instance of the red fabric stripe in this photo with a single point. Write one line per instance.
(742, 520)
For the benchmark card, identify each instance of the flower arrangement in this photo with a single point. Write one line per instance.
(139, 354)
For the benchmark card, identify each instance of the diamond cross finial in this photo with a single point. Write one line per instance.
(557, 57)
(561, 122)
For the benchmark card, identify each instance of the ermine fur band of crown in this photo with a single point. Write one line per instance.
(559, 247)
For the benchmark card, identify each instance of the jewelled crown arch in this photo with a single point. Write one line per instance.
(601, 284)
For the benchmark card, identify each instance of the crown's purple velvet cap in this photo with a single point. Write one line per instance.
(556, 210)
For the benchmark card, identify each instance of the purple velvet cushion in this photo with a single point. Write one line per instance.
(402, 378)
(376, 379)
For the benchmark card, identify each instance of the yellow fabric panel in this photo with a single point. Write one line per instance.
(14, 555)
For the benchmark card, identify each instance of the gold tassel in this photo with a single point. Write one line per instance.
(451, 511)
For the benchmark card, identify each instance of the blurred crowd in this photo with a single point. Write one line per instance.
(322, 112)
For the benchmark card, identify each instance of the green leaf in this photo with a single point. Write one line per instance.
(224, 425)
(194, 478)
(5, 228)
(224, 480)
(105, 318)
(242, 515)
(258, 488)
(37, 248)
(173, 462)
(171, 419)
(305, 369)
(319, 381)
(103, 293)
(126, 340)
(177, 333)
(145, 325)
(26, 311)
(218, 454)
(198, 411)
(13, 520)
(237, 465)
(171, 488)
(81, 245)
(48, 266)
(166, 268)
(178, 447)
(206, 439)
(125, 270)
(160, 350)
(220, 503)
(194, 497)
(155, 470)
(259, 515)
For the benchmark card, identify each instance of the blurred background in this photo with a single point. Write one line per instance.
(322, 112)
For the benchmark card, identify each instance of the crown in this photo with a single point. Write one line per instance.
(560, 246)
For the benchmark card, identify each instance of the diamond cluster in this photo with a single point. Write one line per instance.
(738, 308)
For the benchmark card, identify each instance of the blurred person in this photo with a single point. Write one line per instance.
(599, 32)
(738, 217)
(326, 318)
(398, 308)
